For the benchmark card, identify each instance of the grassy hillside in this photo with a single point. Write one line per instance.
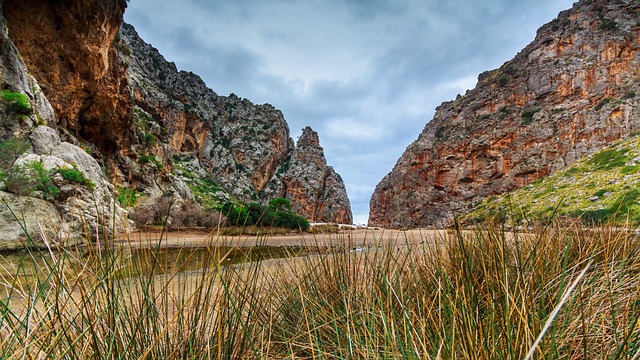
(600, 188)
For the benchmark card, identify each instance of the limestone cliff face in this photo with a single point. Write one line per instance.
(68, 46)
(235, 143)
(82, 96)
(73, 212)
(240, 144)
(14, 77)
(573, 90)
(315, 190)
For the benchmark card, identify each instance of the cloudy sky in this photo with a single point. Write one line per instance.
(365, 74)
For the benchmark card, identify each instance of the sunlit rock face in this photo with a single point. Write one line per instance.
(569, 93)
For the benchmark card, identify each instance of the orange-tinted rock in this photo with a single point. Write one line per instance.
(69, 48)
(569, 93)
(315, 190)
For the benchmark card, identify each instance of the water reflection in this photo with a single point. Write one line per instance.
(20, 271)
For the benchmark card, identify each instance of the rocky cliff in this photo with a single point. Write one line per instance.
(68, 47)
(83, 97)
(569, 93)
(242, 147)
(50, 189)
(315, 190)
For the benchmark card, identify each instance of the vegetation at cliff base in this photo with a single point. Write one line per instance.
(10, 150)
(277, 214)
(30, 177)
(598, 189)
(75, 175)
(127, 197)
(150, 158)
(206, 192)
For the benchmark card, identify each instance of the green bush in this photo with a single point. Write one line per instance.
(280, 204)
(146, 158)
(16, 102)
(284, 167)
(236, 214)
(527, 116)
(18, 181)
(290, 220)
(148, 139)
(594, 217)
(626, 170)
(609, 159)
(619, 210)
(608, 25)
(602, 103)
(43, 181)
(24, 180)
(255, 214)
(75, 175)
(127, 197)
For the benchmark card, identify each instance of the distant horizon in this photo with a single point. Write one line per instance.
(366, 76)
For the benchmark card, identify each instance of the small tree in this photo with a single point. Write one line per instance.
(280, 204)
(236, 215)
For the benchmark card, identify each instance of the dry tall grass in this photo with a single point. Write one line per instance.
(559, 291)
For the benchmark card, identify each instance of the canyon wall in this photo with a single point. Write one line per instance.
(88, 109)
(569, 93)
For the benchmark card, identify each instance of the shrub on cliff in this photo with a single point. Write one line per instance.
(75, 175)
(16, 103)
(10, 150)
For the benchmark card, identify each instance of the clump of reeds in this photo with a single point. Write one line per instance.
(559, 291)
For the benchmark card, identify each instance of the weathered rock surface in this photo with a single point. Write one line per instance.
(314, 189)
(23, 221)
(20, 119)
(237, 144)
(573, 90)
(91, 209)
(14, 77)
(68, 46)
(111, 103)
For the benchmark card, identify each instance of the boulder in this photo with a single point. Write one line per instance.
(28, 221)
(44, 139)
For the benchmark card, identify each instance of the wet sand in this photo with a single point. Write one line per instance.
(353, 238)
